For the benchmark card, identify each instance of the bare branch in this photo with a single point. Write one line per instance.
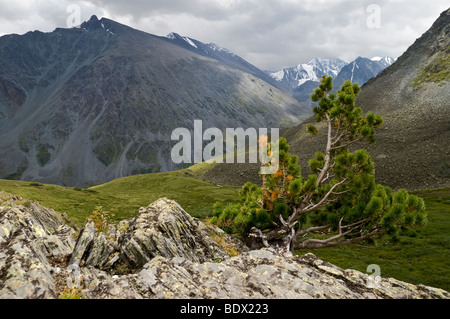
(356, 223)
(326, 177)
(340, 225)
(325, 241)
(334, 240)
(290, 239)
(311, 230)
(337, 138)
(340, 193)
(324, 199)
(349, 241)
(347, 144)
(283, 222)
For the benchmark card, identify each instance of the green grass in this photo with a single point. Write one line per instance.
(423, 259)
(123, 197)
(437, 70)
(199, 169)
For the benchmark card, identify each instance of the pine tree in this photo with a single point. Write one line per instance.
(340, 202)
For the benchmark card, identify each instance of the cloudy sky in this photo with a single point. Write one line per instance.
(271, 34)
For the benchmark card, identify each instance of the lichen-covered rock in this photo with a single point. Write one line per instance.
(164, 253)
(161, 229)
(98, 284)
(84, 243)
(43, 225)
(165, 229)
(24, 270)
(389, 288)
(98, 249)
(30, 236)
(266, 274)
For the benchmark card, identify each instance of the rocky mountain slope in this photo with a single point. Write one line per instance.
(86, 105)
(412, 95)
(173, 256)
(361, 70)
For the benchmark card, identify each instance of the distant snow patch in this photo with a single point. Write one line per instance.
(279, 76)
(190, 42)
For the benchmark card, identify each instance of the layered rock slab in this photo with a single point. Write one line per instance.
(163, 228)
(31, 237)
(266, 274)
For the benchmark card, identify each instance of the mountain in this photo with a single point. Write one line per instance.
(412, 95)
(386, 61)
(361, 70)
(292, 78)
(221, 54)
(86, 105)
(302, 79)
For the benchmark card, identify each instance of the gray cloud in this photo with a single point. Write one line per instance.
(269, 34)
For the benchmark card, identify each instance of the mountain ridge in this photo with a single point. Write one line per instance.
(303, 78)
(85, 105)
(219, 53)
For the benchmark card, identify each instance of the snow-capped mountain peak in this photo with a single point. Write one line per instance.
(311, 71)
(205, 48)
(215, 47)
(212, 50)
(386, 59)
(383, 61)
(359, 70)
(176, 36)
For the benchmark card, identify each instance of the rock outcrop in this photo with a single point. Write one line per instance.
(265, 274)
(165, 229)
(32, 237)
(163, 252)
(161, 229)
